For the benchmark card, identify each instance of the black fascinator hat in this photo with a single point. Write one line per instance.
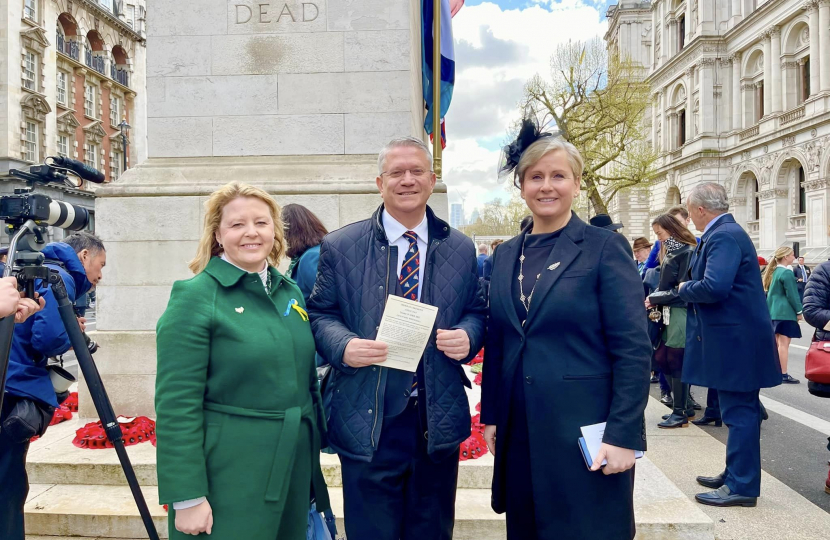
(529, 133)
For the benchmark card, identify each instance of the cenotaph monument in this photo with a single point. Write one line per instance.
(293, 96)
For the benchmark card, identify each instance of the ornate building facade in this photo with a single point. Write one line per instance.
(75, 81)
(740, 96)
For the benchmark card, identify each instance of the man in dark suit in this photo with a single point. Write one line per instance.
(729, 341)
(802, 274)
(397, 433)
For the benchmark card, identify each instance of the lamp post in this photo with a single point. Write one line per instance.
(125, 129)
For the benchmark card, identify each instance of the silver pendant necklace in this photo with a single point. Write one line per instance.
(525, 299)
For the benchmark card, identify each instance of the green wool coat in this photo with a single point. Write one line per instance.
(782, 298)
(239, 415)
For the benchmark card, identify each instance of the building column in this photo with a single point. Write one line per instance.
(654, 31)
(707, 95)
(815, 49)
(736, 13)
(690, 31)
(767, 73)
(775, 61)
(655, 104)
(664, 122)
(690, 105)
(736, 91)
(824, 43)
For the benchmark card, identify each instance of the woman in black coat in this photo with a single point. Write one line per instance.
(567, 347)
(817, 314)
(677, 244)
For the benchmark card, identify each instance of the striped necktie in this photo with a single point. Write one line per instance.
(409, 269)
(409, 279)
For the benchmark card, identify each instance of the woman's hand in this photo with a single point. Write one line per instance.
(800, 317)
(619, 459)
(195, 520)
(648, 304)
(490, 438)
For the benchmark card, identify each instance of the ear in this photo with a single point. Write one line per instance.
(379, 182)
(578, 182)
(83, 254)
(217, 237)
(433, 180)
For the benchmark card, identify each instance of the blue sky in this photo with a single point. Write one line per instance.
(499, 45)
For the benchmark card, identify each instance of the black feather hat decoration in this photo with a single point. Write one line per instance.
(529, 133)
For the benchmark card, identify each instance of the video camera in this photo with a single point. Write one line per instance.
(25, 204)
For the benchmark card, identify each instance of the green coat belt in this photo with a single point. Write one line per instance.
(783, 301)
(236, 382)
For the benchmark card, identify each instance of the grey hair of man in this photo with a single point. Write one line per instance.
(710, 196)
(482, 249)
(412, 142)
(85, 240)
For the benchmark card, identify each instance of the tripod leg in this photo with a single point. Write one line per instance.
(6, 335)
(100, 398)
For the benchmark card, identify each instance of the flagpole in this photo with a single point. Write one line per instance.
(436, 88)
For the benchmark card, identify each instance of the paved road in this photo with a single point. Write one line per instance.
(794, 439)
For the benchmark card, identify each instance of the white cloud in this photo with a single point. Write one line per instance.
(497, 50)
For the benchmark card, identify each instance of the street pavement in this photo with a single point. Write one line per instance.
(794, 439)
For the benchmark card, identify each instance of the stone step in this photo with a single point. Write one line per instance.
(108, 511)
(55, 460)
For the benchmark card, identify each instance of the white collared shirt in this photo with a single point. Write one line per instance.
(394, 234)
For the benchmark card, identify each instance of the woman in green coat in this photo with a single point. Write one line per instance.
(239, 421)
(784, 305)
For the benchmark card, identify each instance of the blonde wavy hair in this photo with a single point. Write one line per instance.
(209, 246)
(780, 253)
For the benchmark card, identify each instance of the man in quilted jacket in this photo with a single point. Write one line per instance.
(398, 433)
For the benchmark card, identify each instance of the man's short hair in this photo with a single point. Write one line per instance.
(679, 210)
(412, 142)
(710, 196)
(482, 248)
(85, 240)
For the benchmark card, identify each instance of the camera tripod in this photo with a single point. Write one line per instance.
(26, 263)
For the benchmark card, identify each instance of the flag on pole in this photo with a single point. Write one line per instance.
(443, 134)
(447, 59)
(455, 6)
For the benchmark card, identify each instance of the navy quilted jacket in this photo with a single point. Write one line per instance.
(347, 302)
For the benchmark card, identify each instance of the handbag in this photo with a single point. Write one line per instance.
(817, 364)
(318, 528)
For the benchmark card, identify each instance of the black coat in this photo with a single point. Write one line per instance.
(584, 355)
(675, 268)
(357, 270)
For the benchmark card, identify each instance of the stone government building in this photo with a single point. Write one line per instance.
(741, 96)
(76, 71)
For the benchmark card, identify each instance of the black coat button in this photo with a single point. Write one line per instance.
(698, 338)
(529, 379)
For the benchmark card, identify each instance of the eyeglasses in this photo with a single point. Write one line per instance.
(398, 174)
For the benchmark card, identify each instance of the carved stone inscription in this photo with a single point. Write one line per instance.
(276, 16)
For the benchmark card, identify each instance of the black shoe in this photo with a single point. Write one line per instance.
(713, 482)
(690, 413)
(674, 421)
(666, 399)
(706, 420)
(655, 379)
(789, 379)
(695, 405)
(764, 414)
(724, 497)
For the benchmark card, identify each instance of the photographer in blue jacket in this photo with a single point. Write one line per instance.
(30, 399)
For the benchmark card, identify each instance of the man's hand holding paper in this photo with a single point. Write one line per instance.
(364, 352)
